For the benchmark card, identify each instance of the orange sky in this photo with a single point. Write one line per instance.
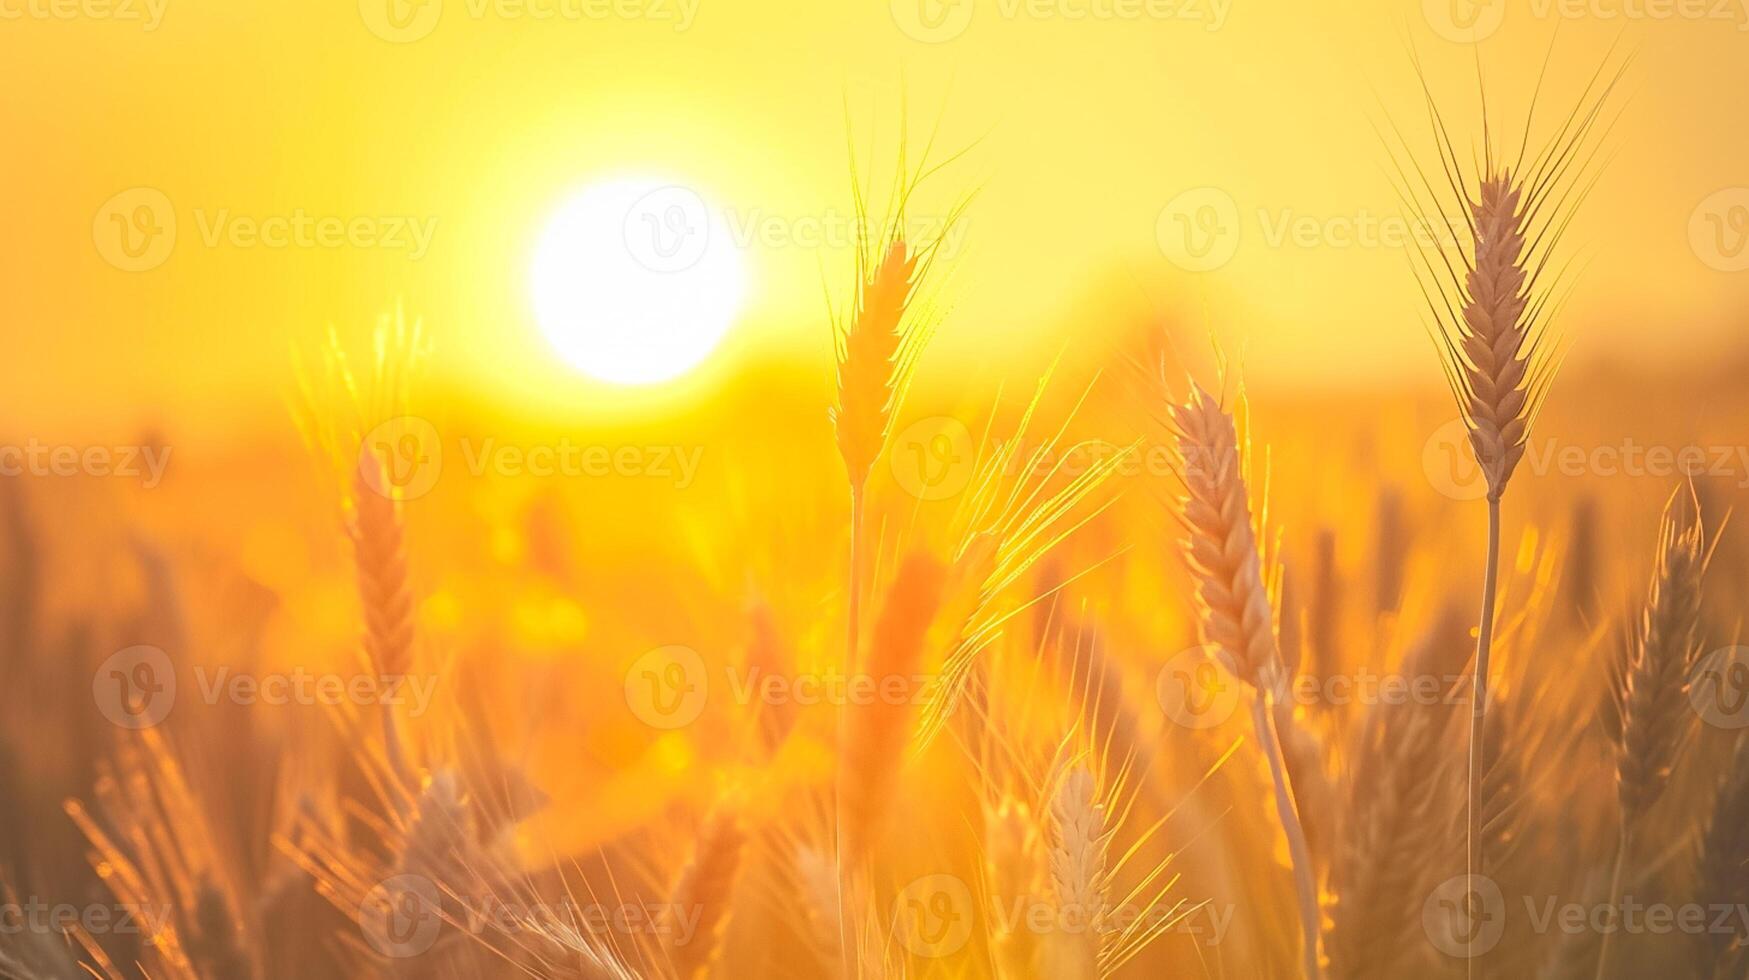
(1085, 119)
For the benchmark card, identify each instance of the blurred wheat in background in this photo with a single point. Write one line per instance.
(1102, 659)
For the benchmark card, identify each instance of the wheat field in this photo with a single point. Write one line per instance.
(1105, 662)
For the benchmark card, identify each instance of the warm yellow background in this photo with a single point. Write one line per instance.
(1083, 130)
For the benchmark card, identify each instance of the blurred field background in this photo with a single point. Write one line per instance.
(535, 598)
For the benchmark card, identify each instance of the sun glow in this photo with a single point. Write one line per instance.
(636, 281)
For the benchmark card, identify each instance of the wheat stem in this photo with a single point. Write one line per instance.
(1263, 717)
(1479, 708)
(1622, 849)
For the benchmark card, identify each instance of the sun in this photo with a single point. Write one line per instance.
(636, 281)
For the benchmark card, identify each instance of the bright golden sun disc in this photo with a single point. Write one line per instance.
(636, 281)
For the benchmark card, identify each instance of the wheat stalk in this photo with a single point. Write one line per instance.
(1492, 307)
(1236, 618)
(1724, 862)
(876, 733)
(1011, 874)
(1652, 690)
(1080, 875)
(706, 886)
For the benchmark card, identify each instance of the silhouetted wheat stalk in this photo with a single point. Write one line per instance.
(1492, 306)
(1652, 693)
(1237, 617)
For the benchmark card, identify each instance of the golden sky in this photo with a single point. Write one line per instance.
(442, 134)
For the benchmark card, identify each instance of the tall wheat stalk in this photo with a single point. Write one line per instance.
(1236, 613)
(1492, 306)
(1652, 691)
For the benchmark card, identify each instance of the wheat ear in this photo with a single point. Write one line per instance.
(1080, 876)
(1236, 615)
(379, 555)
(706, 886)
(1652, 690)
